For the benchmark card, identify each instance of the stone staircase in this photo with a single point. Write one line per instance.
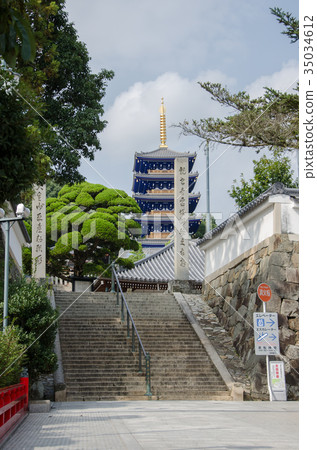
(180, 366)
(98, 363)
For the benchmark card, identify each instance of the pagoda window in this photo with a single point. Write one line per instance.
(161, 185)
(160, 166)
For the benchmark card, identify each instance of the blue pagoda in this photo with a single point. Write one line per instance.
(153, 189)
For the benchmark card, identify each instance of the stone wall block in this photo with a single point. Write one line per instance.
(228, 290)
(296, 247)
(295, 260)
(286, 244)
(245, 287)
(231, 276)
(235, 288)
(264, 265)
(275, 243)
(292, 275)
(282, 321)
(226, 307)
(287, 337)
(276, 273)
(253, 271)
(238, 330)
(284, 289)
(242, 313)
(274, 305)
(280, 259)
(292, 352)
(224, 279)
(290, 308)
(294, 324)
(250, 262)
(252, 300)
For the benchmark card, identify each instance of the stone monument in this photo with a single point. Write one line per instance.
(39, 232)
(181, 235)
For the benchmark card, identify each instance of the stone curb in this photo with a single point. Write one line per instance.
(39, 406)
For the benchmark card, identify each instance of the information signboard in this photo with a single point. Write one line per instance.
(277, 380)
(266, 338)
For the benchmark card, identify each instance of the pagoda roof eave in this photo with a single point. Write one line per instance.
(162, 196)
(160, 175)
(163, 153)
(163, 218)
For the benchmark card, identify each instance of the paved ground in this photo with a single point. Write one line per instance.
(155, 425)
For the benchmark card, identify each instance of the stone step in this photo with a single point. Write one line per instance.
(97, 357)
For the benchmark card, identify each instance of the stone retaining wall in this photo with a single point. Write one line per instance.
(231, 293)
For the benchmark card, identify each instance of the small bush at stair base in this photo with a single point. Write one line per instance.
(33, 314)
(12, 358)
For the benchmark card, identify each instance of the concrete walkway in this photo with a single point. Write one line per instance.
(161, 425)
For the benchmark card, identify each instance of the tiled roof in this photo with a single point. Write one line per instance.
(277, 188)
(163, 153)
(160, 266)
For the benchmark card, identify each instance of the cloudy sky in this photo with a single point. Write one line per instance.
(162, 49)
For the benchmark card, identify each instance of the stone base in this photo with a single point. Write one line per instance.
(183, 286)
(60, 396)
(39, 406)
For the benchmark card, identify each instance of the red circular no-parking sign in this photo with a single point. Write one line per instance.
(264, 292)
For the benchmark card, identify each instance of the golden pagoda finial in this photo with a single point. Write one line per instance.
(163, 124)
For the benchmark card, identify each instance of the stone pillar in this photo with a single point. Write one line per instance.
(181, 235)
(39, 232)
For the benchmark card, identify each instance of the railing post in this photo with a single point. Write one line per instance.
(133, 339)
(140, 359)
(122, 309)
(148, 375)
(112, 278)
(128, 325)
(118, 294)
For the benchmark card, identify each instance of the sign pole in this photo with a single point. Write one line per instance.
(268, 365)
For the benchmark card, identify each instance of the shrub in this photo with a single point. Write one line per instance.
(32, 313)
(10, 353)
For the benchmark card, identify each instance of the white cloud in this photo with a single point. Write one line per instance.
(134, 126)
(133, 119)
(282, 80)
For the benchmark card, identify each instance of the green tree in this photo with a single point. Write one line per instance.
(22, 159)
(85, 229)
(11, 361)
(289, 21)
(268, 121)
(71, 92)
(136, 255)
(32, 313)
(202, 228)
(266, 173)
(16, 36)
(56, 89)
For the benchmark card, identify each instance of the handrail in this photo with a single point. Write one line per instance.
(134, 332)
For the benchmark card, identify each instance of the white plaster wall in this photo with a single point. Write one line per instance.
(290, 218)
(250, 230)
(16, 242)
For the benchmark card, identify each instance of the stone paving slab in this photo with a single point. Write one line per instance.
(151, 425)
